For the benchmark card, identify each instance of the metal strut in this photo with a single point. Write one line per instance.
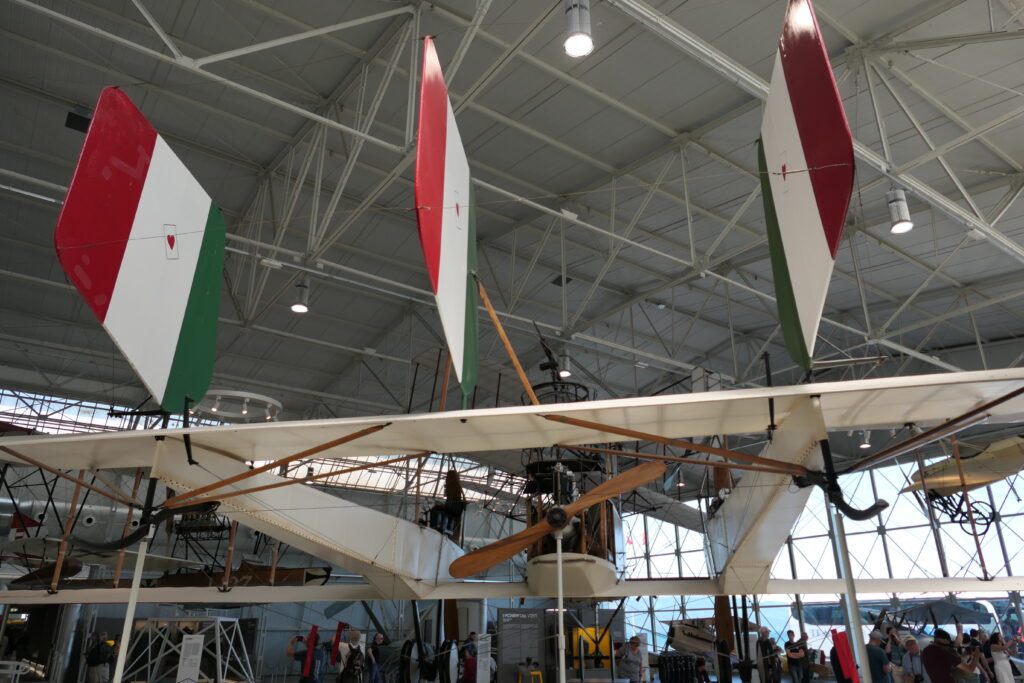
(828, 481)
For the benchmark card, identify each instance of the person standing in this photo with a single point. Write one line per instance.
(97, 660)
(940, 659)
(700, 668)
(796, 654)
(629, 660)
(317, 660)
(373, 651)
(352, 659)
(912, 664)
(808, 661)
(767, 656)
(878, 660)
(1001, 652)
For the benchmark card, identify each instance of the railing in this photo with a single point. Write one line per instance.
(13, 671)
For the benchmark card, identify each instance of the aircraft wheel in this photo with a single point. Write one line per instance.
(448, 662)
(984, 515)
(409, 664)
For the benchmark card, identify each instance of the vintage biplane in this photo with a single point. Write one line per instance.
(944, 484)
(143, 243)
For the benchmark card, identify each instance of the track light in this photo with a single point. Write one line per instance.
(578, 42)
(865, 440)
(564, 369)
(266, 414)
(899, 213)
(216, 405)
(245, 407)
(301, 303)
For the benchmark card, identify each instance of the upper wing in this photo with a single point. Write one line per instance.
(870, 404)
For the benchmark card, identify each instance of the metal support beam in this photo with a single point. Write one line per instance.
(747, 80)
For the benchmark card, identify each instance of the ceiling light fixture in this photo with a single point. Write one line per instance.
(899, 213)
(245, 407)
(865, 440)
(216, 406)
(564, 368)
(301, 303)
(578, 42)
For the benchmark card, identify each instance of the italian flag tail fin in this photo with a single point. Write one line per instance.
(805, 158)
(446, 215)
(144, 245)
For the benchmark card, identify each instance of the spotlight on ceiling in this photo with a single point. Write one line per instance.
(865, 440)
(245, 407)
(216, 406)
(564, 368)
(301, 303)
(578, 42)
(899, 213)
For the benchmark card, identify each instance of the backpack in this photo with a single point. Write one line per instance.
(355, 663)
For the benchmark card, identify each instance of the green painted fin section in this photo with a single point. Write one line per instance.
(788, 316)
(470, 360)
(192, 368)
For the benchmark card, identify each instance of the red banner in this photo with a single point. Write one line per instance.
(846, 662)
(310, 646)
(336, 643)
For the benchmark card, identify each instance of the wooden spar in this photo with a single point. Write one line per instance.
(177, 500)
(788, 468)
(100, 478)
(127, 527)
(75, 480)
(971, 417)
(416, 509)
(583, 531)
(291, 482)
(967, 504)
(444, 383)
(230, 556)
(674, 458)
(67, 533)
(273, 561)
(508, 345)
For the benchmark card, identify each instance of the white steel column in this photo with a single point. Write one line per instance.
(560, 609)
(851, 609)
(133, 598)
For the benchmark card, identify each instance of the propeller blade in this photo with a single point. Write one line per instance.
(630, 480)
(495, 553)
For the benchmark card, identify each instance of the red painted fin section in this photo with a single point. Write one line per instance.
(430, 154)
(96, 220)
(820, 119)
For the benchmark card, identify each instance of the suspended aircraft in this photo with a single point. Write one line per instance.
(944, 485)
(174, 239)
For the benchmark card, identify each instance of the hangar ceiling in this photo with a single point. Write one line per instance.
(618, 205)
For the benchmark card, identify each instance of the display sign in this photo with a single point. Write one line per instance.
(191, 658)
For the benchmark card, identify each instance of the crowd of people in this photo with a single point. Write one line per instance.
(359, 662)
(974, 657)
(356, 661)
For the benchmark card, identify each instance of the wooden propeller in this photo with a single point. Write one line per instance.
(556, 518)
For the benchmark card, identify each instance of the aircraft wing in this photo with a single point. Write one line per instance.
(48, 548)
(998, 461)
(868, 404)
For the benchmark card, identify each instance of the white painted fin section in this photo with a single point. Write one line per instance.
(746, 532)
(400, 560)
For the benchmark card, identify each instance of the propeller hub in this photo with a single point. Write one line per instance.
(557, 517)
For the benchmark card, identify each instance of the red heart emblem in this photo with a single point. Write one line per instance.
(170, 241)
